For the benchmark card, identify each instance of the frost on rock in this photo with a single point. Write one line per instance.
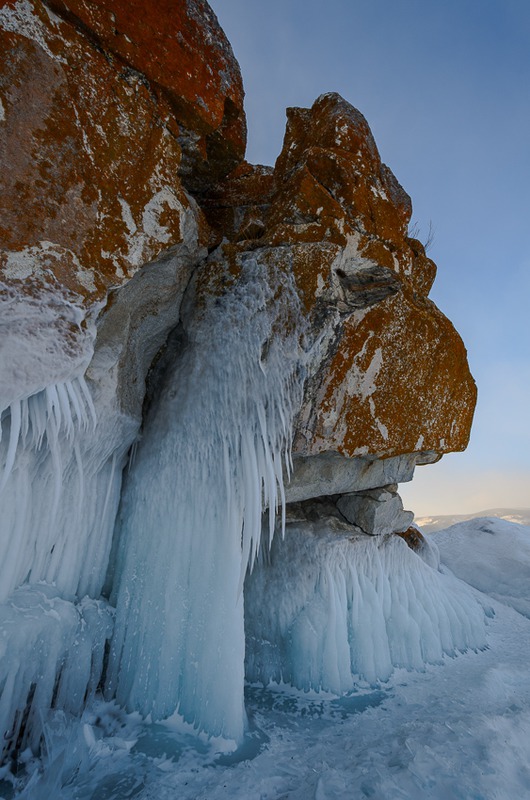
(210, 459)
(51, 655)
(59, 491)
(46, 337)
(327, 607)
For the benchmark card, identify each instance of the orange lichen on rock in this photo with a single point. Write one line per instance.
(413, 537)
(184, 56)
(388, 373)
(397, 382)
(111, 112)
(92, 136)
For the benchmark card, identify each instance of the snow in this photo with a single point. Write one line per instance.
(493, 555)
(210, 459)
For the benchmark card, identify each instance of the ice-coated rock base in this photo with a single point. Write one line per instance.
(330, 605)
(51, 656)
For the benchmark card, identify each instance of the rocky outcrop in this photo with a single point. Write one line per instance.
(387, 372)
(125, 114)
(106, 115)
(130, 216)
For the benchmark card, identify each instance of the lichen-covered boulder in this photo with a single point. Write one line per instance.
(387, 372)
(101, 109)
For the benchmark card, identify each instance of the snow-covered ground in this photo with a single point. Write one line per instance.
(443, 521)
(460, 729)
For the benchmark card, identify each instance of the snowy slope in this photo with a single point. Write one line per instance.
(441, 522)
(456, 730)
(492, 555)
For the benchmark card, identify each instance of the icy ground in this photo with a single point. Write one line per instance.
(458, 730)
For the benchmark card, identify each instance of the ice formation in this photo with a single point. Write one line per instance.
(59, 490)
(60, 477)
(51, 654)
(328, 606)
(210, 460)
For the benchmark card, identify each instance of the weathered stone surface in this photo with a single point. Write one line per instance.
(332, 473)
(377, 512)
(179, 50)
(121, 103)
(387, 372)
(91, 160)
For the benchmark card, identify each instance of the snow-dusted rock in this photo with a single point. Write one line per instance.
(377, 511)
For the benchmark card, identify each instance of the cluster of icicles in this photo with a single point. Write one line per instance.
(55, 412)
(51, 642)
(211, 459)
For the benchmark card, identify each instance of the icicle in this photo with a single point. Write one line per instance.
(209, 459)
(24, 427)
(58, 493)
(88, 399)
(357, 607)
(14, 433)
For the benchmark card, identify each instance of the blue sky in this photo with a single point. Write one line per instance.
(445, 87)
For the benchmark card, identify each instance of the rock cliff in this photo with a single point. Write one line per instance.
(129, 114)
(128, 214)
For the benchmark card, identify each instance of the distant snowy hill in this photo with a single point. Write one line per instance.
(437, 523)
(491, 554)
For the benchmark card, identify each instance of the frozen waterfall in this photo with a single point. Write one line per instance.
(210, 460)
(59, 490)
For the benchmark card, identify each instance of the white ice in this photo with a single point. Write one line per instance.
(51, 655)
(328, 606)
(210, 459)
(60, 476)
(459, 729)
(46, 338)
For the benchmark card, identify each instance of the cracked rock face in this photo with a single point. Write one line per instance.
(377, 511)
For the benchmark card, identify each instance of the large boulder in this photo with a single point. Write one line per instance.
(108, 115)
(387, 372)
